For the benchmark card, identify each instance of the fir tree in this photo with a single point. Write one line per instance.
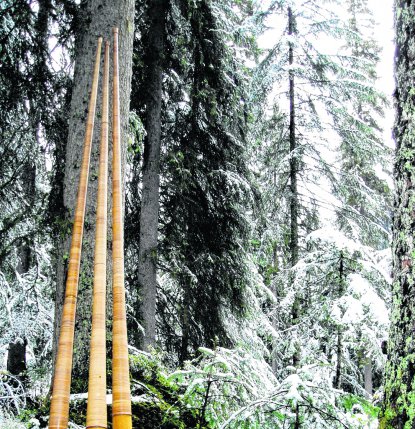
(399, 391)
(203, 179)
(93, 19)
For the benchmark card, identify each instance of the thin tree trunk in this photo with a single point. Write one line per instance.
(293, 156)
(96, 18)
(368, 377)
(274, 358)
(147, 256)
(337, 377)
(339, 346)
(294, 203)
(185, 320)
(16, 358)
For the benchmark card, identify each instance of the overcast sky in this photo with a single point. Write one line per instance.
(383, 14)
(384, 33)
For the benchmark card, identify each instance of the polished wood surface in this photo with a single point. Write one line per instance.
(59, 411)
(121, 399)
(97, 408)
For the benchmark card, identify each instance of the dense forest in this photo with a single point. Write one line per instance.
(268, 219)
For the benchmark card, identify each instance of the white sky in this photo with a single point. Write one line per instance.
(384, 33)
(383, 14)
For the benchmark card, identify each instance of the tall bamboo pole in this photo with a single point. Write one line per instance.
(97, 408)
(59, 410)
(121, 400)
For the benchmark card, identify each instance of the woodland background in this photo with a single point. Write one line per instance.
(258, 208)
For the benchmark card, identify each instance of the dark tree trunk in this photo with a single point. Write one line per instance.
(16, 357)
(295, 311)
(185, 320)
(399, 406)
(150, 202)
(293, 155)
(96, 18)
(339, 346)
(186, 281)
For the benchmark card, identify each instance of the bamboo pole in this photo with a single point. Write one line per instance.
(97, 408)
(59, 410)
(121, 400)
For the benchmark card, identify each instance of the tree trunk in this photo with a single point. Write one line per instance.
(339, 346)
(275, 361)
(295, 310)
(368, 377)
(337, 377)
(399, 406)
(97, 18)
(293, 184)
(147, 256)
(293, 156)
(16, 358)
(16, 355)
(185, 320)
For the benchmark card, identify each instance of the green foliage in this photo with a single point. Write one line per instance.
(205, 184)
(349, 401)
(160, 403)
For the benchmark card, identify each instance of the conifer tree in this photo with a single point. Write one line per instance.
(398, 407)
(28, 114)
(203, 179)
(333, 106)
(149, 214)
(364, 193)
(93, 19)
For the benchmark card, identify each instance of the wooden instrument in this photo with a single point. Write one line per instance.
(121, 402)
(59, 410)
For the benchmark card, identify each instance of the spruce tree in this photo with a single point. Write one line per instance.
(31, 97)
(93, 19)
(363, 192)
(203, 179)
(398, 411)
(324, 120)
(149, 214)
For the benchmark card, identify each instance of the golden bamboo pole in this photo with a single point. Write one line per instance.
(59, 409)
(121, 400)
(96, 416)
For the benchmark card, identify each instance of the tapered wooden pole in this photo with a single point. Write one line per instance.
(59, 410)
(121, 400)
(96, 416)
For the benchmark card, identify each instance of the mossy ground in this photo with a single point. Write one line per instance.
(157, 403)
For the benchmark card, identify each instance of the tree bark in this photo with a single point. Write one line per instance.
(185, 320)
(293, 156)
(339, 346)
(147, 256)
(16, 356)
(399, 405)
(367, 371)
(294, 248)
(96, 18)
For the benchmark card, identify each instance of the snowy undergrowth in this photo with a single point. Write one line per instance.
(232, 389)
